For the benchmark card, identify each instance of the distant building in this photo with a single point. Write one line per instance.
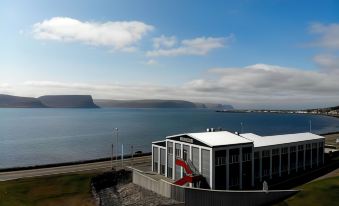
(237, 161)
(333, 112)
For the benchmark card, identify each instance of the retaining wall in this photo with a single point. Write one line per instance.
(202, 197)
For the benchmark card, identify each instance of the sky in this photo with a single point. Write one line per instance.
(252, 54)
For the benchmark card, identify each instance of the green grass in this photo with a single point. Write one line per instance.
(68, 190)
(321, 192)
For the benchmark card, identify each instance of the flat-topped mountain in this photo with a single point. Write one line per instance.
(49, 101)
(157, 103)
(68, 101)
(154, 103)
(8, 101)
(86, 101)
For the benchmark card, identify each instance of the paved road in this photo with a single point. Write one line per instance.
(104, 165)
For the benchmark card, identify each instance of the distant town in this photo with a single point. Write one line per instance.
(330, 111)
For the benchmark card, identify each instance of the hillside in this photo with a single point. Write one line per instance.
(50, 101)
(68, 101)
(8, 101)
(156, 103)
(144, 103)
(214, 106)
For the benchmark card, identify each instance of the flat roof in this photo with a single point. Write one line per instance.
(262, 141)
(218, 138)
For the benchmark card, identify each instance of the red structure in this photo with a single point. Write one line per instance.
(190, 177)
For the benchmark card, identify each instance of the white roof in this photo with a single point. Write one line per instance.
(262, 141)
(219, 138)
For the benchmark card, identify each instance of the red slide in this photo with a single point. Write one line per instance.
(189, 177)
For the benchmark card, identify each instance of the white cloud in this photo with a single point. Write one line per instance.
(254, 86)
(164, 42)
(119, 35)
(327, 62)
(4, 85)
(263, 84)
(198, 46)
(329, 35)
(151, 62)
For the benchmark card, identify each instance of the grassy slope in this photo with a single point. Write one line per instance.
(68, 189)
(321, 192)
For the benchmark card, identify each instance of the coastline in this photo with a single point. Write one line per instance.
(328, 137)
(12, 169)
(276, 112)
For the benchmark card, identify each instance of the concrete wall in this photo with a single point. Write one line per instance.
(240, 198)
(201, 197)
(145, 181)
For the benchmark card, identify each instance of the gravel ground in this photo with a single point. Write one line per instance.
(131, 194)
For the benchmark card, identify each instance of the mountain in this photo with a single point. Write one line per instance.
(214, 106)
(8, 101)
(154, 103)
(68, 101)
(50, 101)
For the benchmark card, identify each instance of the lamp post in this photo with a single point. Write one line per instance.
(112, 158)
(117, 140)
(310, 125)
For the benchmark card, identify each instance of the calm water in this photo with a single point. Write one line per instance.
(41, 136)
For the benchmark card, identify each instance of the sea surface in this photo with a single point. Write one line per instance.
(43, 136)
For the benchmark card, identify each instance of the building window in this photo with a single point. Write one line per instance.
(292, 149)
(308, 146)
(169, 172)
(219, 161)
(314, 145)
(234, 181)
(170, 150)
(256, 155)
(178, 150)
(169, 147)
(300, 147)
(275, 152)
(184, 155)
(284, 150)
(266, 172)
(265, 153)
(234, 159)
(162, 169)
(246, 157)
(155, 167)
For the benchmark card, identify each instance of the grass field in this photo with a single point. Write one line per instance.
(317, 193)
(61, 190)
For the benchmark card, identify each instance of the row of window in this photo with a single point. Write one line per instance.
(284, 150)
(219, 161)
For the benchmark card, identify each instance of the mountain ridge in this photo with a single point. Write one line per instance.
(48, 101)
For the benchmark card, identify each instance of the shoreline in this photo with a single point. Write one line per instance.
(275, 112)
(11, 169)
(43, 166)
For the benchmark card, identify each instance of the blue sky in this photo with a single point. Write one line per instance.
(254, 54)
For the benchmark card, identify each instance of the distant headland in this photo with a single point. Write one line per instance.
(157, 103)
(86, 101)
(48, 101)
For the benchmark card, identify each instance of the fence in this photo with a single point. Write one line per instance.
(201, 197)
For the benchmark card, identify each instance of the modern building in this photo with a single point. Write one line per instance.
(231, 161)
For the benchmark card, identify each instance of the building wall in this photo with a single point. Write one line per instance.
(199, 155)
(238, 166)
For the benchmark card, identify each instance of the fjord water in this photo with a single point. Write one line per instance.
(43, 136)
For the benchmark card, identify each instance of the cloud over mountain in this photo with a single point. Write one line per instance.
(253, 85)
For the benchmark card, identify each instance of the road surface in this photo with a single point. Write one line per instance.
(104, 165)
